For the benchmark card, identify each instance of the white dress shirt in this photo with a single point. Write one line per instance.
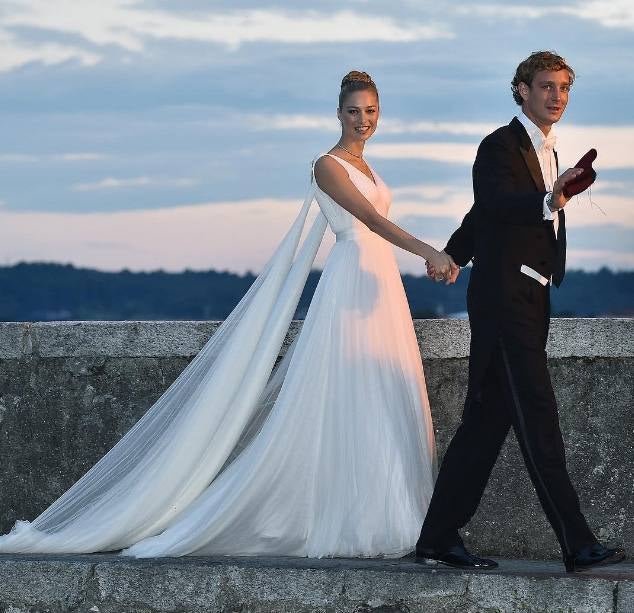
(544, 147)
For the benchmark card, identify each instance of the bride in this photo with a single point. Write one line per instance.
(330, 453)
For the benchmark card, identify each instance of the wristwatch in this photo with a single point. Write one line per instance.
(548, 200)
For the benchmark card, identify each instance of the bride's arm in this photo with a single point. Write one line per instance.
(333, 179)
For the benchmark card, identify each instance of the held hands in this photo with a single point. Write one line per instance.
(559, 200)
(441, 267)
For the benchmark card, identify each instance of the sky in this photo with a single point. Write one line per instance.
(148, 135)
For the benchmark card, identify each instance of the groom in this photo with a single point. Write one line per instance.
(516, 235)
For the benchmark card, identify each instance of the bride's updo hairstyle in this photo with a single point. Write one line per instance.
(356, 81)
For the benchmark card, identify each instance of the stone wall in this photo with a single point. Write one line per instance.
(69, 391)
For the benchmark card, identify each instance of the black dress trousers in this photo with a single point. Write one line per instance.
(515, 391)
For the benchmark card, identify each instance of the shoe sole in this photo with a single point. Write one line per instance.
(615, 559)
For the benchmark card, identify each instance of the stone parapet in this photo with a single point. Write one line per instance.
(70, 390)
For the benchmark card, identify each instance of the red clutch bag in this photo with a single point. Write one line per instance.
(585, 179)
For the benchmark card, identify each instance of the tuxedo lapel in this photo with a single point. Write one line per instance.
(556, 162)
(528, 153)
(530, 157)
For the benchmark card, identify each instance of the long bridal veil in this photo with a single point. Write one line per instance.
(195, 428)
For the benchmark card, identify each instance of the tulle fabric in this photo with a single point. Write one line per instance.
(176, 449)
(330, 455)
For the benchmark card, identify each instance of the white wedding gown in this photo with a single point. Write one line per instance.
(330, 455)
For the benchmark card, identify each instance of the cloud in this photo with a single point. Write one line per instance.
(433, 211)
(595, 259)
(329, 123)
(454, 201)
(432, 200)
(97, 28)
(220, 235)
(613, 186)
(112, 183)
(26, 158)
(398, 126)
(17, 158)
(449, 153)
(613, 142)
(608, 13)
(229, 235)
(128, 24)
(182, 74)
(321, 123)
(14, 53)
(591, 244)
(505, 11)
(431, 228)
(619, 238)
(79, 157)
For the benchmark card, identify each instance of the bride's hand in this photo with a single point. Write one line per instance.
(441, 264)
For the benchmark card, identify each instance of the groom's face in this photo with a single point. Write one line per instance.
(547, 96)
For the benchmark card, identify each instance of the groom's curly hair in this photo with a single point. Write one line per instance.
(539, 60)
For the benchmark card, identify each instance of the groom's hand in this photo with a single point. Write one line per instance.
(453, 275)
(558, 200)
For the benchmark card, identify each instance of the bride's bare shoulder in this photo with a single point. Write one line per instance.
(327, 167)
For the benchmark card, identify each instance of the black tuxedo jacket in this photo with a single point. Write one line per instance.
(504, 229)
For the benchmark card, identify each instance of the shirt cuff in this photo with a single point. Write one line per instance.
(548, 214)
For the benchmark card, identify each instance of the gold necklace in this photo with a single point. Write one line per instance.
(354, 155)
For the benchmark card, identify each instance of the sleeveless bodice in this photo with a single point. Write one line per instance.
(343, 223)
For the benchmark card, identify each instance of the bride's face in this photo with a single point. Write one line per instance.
(359, 115)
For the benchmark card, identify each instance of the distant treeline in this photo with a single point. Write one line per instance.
(44, 292)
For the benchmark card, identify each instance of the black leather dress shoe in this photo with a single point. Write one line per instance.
(456, 556)
(593, 555)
